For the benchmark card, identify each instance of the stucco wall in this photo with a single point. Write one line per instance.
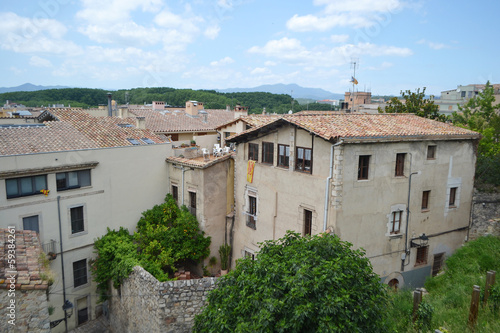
(125, 182)
(146, 305)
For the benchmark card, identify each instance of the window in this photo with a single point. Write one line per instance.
(72, 179)
(425, 200)
(252, 211)
(250, 255)
(431, 152)
(307, 222)
(192, 203)
(82, 308)
(174, 137)
(253, 151)
(364, 162)
(267, 152)
(23, 186)
(175, 193)
(283, 156)
(77, 221)
(79, 273)
(438, 263)
(453, 196)
(400, 165)
(396, 222)
(422, 253)
(148, 141)
(304, 159)
(31, 223)
(134, 142)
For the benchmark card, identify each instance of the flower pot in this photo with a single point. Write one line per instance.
(223, 272)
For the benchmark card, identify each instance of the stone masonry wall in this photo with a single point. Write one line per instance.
(143, 304)
(485, 215)
(31, 312)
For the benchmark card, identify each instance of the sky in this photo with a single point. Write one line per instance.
(122, 44)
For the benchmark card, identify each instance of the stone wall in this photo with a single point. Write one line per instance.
(485, 215)
(143, 304)
(31, 312)
(23, 287)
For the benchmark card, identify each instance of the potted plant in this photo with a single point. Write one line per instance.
(224, 251)
(211, 263)
(193, 143)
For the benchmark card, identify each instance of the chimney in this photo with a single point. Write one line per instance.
(264, 110)
(110, 112)
(123, 112)
(140, 122)
(228, 108)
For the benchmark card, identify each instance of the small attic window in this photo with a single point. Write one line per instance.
(125, 125)
(134, 142)
(148, 141)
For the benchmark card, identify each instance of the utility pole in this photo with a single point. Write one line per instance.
(354, 63)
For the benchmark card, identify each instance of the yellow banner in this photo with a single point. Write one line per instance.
(250, 168)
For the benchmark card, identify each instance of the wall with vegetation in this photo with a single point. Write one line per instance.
(143, 304)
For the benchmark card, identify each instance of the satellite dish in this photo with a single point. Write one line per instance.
(458, 90)
(290, 111)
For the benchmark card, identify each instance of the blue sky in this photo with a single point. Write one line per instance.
(121, 44)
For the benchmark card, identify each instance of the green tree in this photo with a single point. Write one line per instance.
(413, 102)
(298, 284)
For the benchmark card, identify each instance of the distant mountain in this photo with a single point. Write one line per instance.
(28, 87)
(298, 91)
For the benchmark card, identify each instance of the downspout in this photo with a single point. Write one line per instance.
(182, 180)
(62, 260)
(405, 254)
(327, 185)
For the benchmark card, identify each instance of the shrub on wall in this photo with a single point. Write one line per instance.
(166, 236)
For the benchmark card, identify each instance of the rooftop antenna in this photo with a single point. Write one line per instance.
(354, 64)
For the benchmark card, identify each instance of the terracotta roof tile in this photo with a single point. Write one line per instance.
(174, 122)
(72, 129)
(369, 127)
(27, 267)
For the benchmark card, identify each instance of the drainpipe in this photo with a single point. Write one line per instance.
(403, 256)
(183, 169)
(62, 260)
(327, 186)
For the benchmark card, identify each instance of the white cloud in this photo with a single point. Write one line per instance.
(212, 32)
(25, 35)
(39, 62)
(343, 13)
(260, 71)
(291, 50)
(433, 45)
(339, 38)
(382, 66)
(120, 27)
(269, 63)
(222, 62)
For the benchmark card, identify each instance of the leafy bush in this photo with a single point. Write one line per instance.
(166, 236)
(298, 284)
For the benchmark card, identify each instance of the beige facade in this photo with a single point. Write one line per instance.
(370, 213)
(124, 181)
(206, 188)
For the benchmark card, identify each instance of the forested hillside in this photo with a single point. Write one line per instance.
(86, 98)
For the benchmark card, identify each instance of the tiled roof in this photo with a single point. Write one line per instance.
(198, 163)
(73, 129)
(174, 122)
(369, 127)
(252, 120)
(27, 267)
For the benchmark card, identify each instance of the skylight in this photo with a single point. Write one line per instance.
(148, 141)
(134, 142)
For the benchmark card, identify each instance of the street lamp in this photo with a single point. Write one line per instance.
(68, 312)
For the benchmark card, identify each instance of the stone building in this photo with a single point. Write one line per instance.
(397, 185)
